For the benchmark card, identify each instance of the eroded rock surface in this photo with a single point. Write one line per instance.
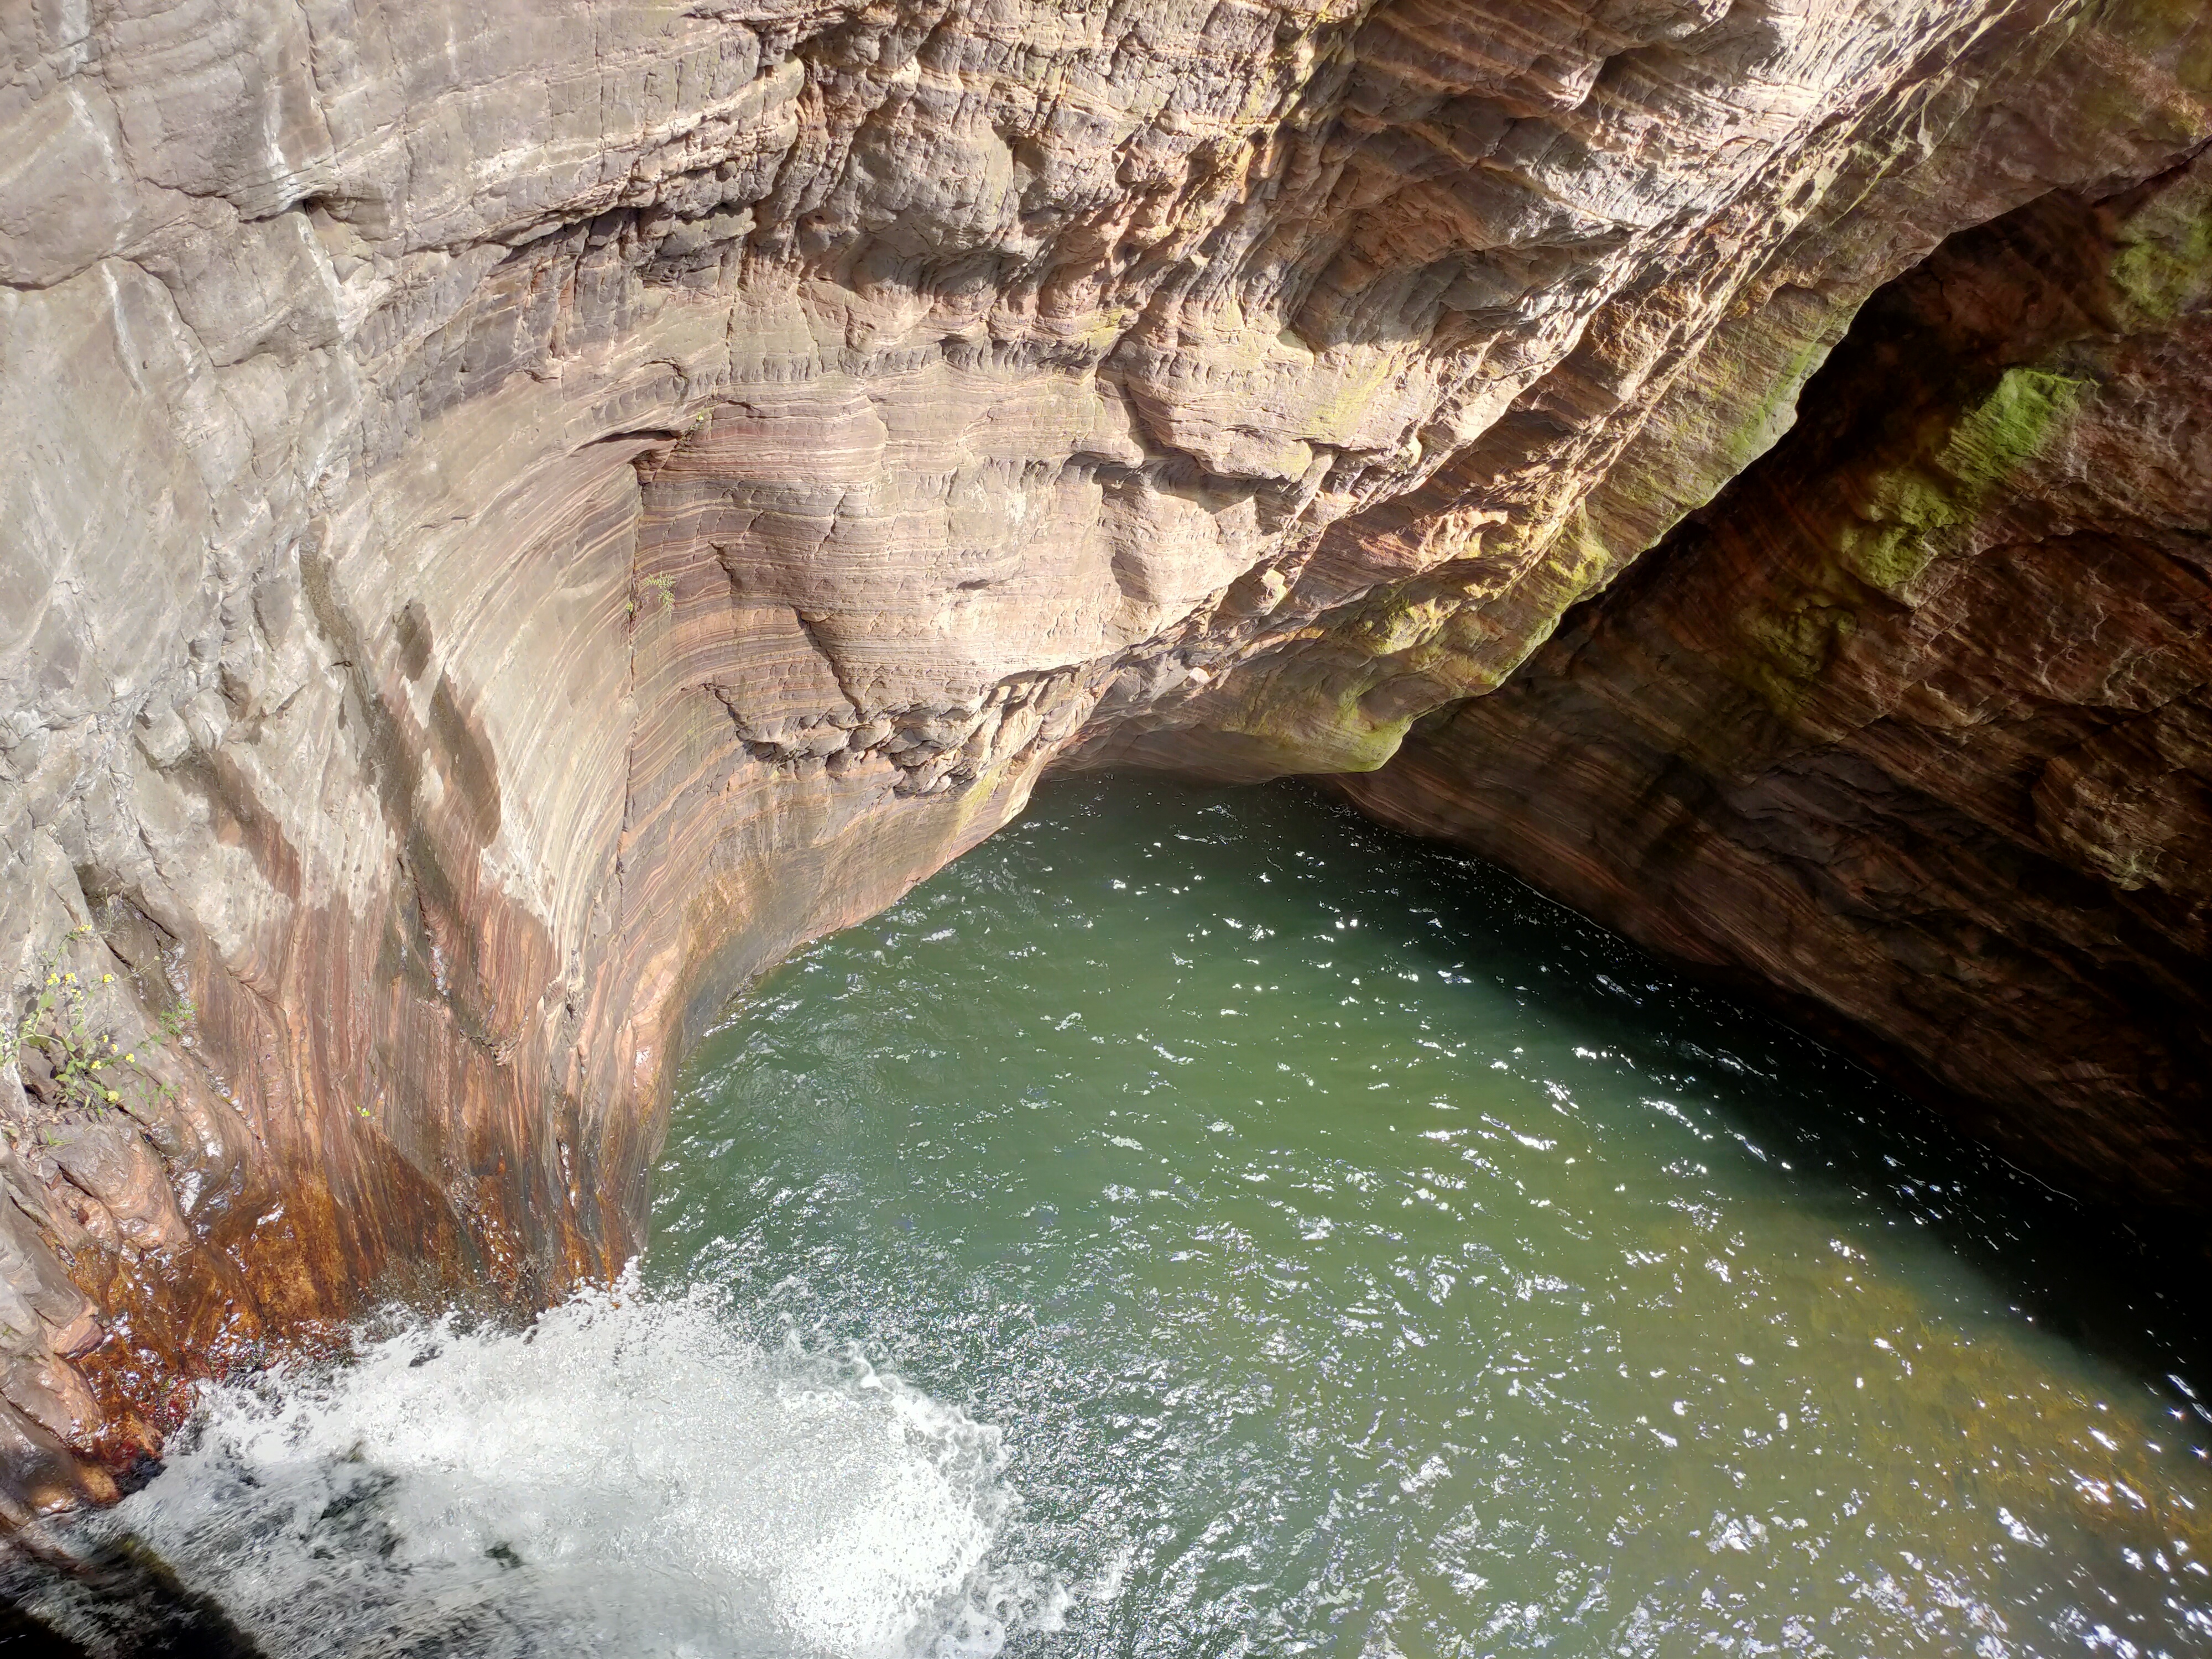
(522, 513)
(1914, 722)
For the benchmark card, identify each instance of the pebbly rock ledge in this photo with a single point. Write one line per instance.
(519, 514)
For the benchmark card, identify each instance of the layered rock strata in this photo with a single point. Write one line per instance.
(1914, 724)
(519, 514)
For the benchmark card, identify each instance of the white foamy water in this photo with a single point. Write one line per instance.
(626, 1477)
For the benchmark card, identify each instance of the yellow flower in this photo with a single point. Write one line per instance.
(112, 1096)
(107, 979)
(95, 1065)
(133, 1059)
(53, 979)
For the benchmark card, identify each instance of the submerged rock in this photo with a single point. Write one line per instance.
(521, 515)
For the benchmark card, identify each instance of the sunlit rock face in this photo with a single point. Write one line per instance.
(519, 513)
(1914, 723)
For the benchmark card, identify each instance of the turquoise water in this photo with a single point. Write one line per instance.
(1202, 1223)
(1351, 1253)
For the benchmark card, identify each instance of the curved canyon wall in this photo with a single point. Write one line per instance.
(519, 513)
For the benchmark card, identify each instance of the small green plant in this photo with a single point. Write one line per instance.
(62, 1054)
(663, 585)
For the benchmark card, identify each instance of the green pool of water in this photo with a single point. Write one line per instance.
(1355, 1254)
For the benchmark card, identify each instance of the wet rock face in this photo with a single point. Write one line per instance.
(519, 514)
(1914, 722)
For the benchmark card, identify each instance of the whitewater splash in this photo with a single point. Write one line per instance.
(626, 1477)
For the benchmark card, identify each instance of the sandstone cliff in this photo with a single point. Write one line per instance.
(520, 512)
